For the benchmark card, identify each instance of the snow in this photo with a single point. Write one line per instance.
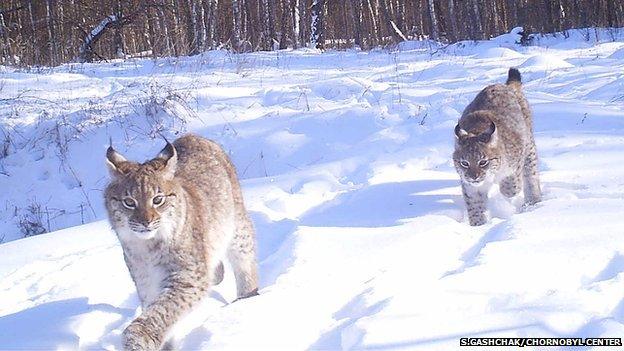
(618, 54)
(544, 63)
(344, 157)
(500, 52)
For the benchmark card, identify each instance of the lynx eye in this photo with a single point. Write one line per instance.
(464, 163)
(483, 163)
(128, 202)
(158, 200)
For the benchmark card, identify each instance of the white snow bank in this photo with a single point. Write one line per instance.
(544, 62)
(618, 54)
(493, 53)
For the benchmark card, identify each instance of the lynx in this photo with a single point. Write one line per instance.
(176, 217)
(494, 145)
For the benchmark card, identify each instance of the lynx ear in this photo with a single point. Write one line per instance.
(459, 133)
(170, 158)
(486, 136)
(116, 163)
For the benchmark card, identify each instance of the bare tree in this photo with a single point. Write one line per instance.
(356, 17)
(392, 28)
(51, 32)
(476, 20)
(317, 39)
(236, 31)
(452, 34)
(432, 17)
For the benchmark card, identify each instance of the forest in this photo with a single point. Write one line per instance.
(52, 32)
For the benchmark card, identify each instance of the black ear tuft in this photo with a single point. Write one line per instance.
(110, 153)
(115, 161)
(167, 152)
(170, 157)
(514, 76)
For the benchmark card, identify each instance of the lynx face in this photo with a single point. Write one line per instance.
(141, 199)
(476, 155)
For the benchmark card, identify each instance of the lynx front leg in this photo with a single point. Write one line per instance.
(218, 274)
(476, 201)
(242, 256)
(511, 185)
(532, 190)
(148, 332)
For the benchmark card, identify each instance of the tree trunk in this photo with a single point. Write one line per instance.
(394, 31)
(400, 15)
(151, 33)
(476, 18)
(36, 49)
(267, 42)
(547, 15)
(87, 52)
(270, 9)
(433, 19)
(6, 45)
(375, 36)
(294, 8)
(52, 47)
(356, 17)
(177, 41)
(452, 21)
(168, 46)
(303, 27)
(118, 45)
(283, 41)
(236, 31)
(201, 27)
(213, 33)
(191, 28)
(317, 38)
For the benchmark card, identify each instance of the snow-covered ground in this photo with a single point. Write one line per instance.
(346, 168)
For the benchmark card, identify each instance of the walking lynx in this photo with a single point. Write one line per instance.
(494, 145)
(177, 216)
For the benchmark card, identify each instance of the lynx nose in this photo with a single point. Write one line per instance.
(146, 220)
(473, 175)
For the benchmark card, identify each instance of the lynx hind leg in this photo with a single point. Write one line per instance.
(510, 186)
(170, 345)
(218, 274)
(532, 190)
(242, 256)
(476, 202)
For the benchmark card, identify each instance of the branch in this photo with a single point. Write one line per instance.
(4, 12)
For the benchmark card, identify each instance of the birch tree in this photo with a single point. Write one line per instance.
(452, 21)
(433, 20)
(236, 31)
(317, 38)
(51, 32)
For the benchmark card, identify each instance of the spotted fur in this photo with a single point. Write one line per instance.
(177, 217)
(495, 145)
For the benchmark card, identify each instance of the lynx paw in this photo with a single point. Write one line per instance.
(477, 220)
(138, 337)
(532, 200)
(252, 293)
